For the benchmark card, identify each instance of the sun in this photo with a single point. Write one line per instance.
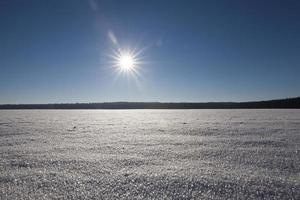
(126, 62)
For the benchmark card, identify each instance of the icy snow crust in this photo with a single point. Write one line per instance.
(150, 154)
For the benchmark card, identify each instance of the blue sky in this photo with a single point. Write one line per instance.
(58, 51)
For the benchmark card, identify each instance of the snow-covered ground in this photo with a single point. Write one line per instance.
(150, 154)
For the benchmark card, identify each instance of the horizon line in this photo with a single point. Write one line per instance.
(159, 102)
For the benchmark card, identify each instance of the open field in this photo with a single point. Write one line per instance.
(150, 154)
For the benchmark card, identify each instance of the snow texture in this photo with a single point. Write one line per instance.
(149, 154)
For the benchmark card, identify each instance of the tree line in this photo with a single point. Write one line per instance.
(279, 103)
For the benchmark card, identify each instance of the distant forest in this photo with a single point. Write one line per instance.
(279, 103)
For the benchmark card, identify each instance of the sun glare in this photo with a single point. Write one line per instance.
(126, 62)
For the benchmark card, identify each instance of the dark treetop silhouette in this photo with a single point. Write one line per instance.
(279, 103)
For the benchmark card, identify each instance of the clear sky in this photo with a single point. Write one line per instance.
(59, 50)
